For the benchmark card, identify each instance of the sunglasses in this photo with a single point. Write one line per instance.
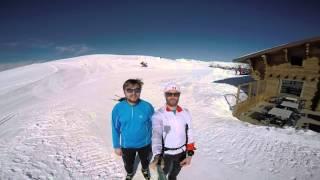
(172, 94)
(137, 90)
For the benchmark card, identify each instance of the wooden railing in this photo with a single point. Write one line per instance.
(255, 91)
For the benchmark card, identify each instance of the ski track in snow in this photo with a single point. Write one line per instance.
(54, 138)
(59, 137)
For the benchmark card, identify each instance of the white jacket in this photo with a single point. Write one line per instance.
(172, 127)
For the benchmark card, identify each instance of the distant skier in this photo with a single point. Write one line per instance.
(172, 139)
(144, 64)
(131, 128)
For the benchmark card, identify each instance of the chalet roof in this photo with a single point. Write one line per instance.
(277, 48)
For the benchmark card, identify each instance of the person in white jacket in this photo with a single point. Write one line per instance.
(172, 139)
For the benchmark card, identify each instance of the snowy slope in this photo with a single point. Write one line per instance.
(55, 122)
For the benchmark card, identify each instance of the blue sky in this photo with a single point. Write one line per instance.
(204, 30)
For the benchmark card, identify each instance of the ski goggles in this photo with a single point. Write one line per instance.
(168, 94)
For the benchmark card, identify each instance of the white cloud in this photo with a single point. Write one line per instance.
(72, 49)
(10, 44)
(75, 49)
(29, 43)
(38, 43)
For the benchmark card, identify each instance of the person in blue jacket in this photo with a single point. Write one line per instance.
(131, 128)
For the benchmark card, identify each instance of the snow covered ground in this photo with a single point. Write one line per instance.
(55, 122)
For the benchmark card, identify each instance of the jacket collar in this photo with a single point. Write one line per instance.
(179, 109)
(139, 100)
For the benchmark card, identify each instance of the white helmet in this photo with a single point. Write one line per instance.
(172, 87)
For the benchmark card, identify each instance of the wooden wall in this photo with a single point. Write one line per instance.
(276, 66)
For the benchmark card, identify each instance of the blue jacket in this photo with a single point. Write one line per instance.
(131, 124)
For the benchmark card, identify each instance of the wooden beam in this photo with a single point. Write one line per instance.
(245, 84)
(258, 86)
(307, 50)
(250, 63)
(286, 55)
(264, 58)
(250, 89)
(250, 66)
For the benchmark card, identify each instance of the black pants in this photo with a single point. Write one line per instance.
(172, 165)
(129, 155)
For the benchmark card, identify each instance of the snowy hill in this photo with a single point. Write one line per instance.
(55, 122)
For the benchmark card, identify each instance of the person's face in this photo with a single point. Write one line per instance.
(172, 97)
(132, 92)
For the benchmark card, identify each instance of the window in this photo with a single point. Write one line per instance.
(291, 87)
(296, 60)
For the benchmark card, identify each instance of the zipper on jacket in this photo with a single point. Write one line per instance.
(131, 113)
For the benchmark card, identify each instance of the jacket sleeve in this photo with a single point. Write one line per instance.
(191, 143)
(156, 133)
(115, 124)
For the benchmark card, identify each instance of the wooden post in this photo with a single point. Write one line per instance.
(279, 86)
(264, 90)
(250, 64)
(238, 93)
(264, 58)
(286, 55)
(258, 84)
(250, 89)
